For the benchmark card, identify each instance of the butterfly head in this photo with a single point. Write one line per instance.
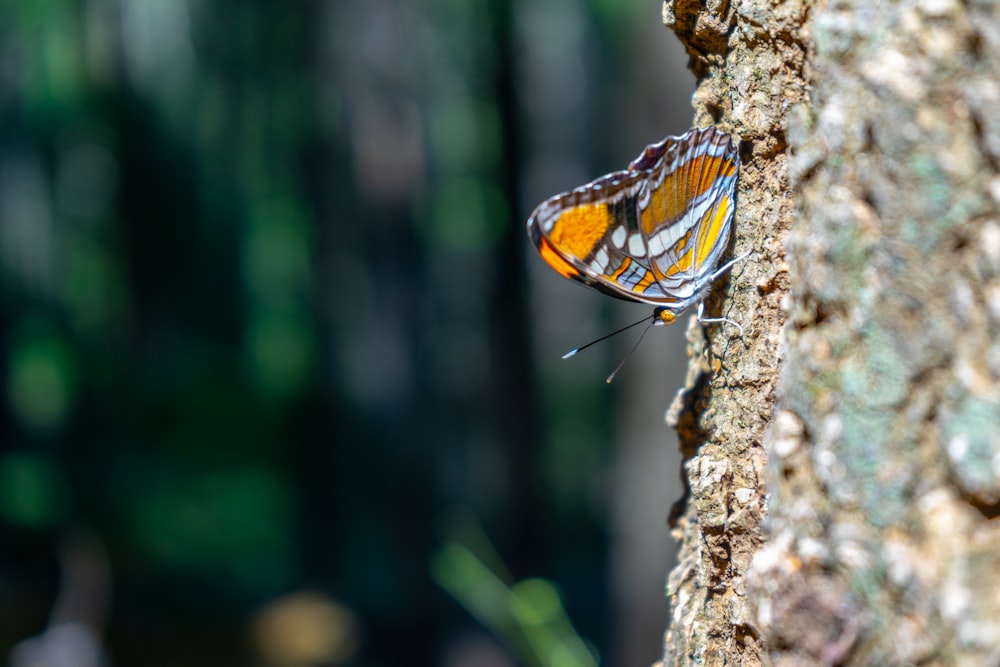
(662, 316)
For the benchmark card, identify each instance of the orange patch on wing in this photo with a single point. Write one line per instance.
(663, 205)
(704, 170)
(579, 229)
(621, 269)
(555, 260)
(682, 241)
(711, 228)
(722, 169)
(646, 281)
(683, 263)
(698, 175)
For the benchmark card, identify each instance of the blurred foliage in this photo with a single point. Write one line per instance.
(265, 321)
(528, 615)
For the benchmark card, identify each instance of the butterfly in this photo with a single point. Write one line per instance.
(652, 233)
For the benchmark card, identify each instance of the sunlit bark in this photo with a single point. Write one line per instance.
(862, 401)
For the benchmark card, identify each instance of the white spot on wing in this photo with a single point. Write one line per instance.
(600, 261)
(656, 246)
(636, 246)
(619, 235)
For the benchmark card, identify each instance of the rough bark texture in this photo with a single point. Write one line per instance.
(882, 466)
(750, 62)
(884, 451)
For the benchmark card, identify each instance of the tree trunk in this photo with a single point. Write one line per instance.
(862, 402)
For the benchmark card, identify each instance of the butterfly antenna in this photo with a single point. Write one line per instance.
(613, 333)
(635, 347)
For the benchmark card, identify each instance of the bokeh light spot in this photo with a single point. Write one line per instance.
(30, 490)
(468, 214)
(40, 382)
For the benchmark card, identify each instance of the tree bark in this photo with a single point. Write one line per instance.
(860, 410)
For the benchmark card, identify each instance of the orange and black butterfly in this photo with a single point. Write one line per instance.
(652, 233)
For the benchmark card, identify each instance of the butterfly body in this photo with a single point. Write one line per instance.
(652, 233)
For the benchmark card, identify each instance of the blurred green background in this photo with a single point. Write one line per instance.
(281, 375)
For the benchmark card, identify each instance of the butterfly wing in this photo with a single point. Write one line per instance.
(591, 235)
(686, 209)
(601, 234)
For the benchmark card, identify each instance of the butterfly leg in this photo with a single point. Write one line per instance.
(716, 320)
(728, 265)
(701, 306)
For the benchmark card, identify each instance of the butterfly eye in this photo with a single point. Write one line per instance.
(665, 316)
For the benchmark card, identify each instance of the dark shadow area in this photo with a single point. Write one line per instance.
(271, 322)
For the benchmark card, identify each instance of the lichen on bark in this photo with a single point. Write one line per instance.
(883, 477)
(863, 400)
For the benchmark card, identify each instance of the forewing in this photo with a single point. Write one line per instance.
(591, 234)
